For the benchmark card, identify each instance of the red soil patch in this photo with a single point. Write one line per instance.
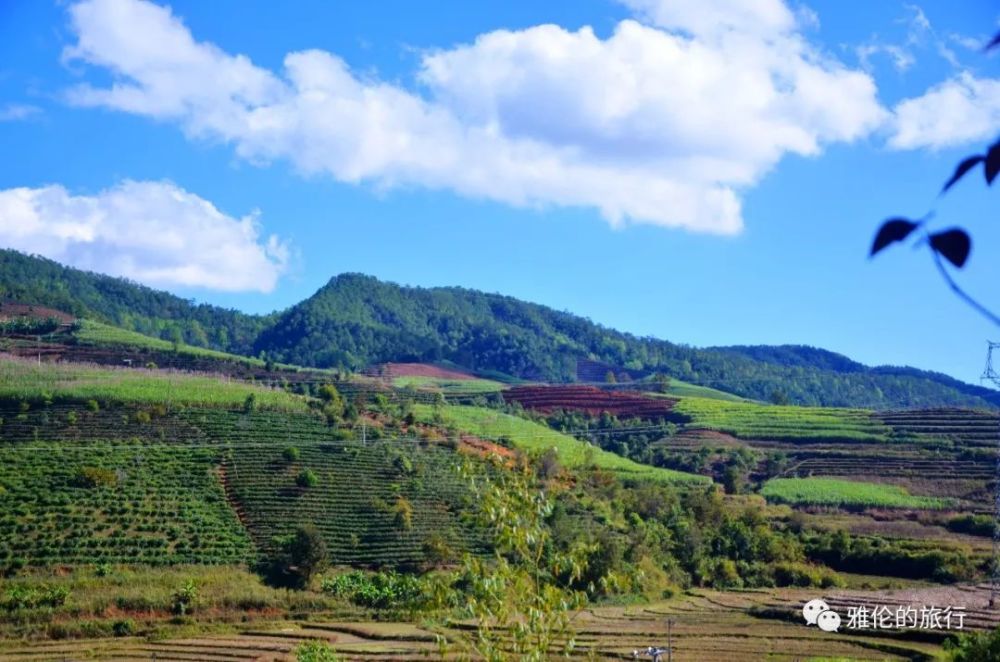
(589, 399)
(393, 370)
(485, 448)
(12, 310)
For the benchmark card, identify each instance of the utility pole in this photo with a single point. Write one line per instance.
(670, 640)
(990, 373)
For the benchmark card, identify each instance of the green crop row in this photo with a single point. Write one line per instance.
(95, 502)
(754, 420)
(836, 492)
(27, 380)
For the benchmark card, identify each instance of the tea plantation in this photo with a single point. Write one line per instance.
(95, 481)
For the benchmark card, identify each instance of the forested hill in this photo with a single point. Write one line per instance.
(357, 320)
(117, 301)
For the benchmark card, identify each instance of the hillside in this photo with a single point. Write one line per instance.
(355, 321)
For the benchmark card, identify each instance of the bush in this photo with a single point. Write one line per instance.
(307, 478)
(975, 647)
(91, 477)
(380, 590)
(184, 598)
(315, 651)
(124, 628)
(291, 454)
(93, 406)
(403, 514)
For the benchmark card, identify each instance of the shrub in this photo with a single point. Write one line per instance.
(402, 464)
(307, 478)
(380, 590)
(93, 406)
(91, 477)
(403, 513)
(123, 628)
(975, 647)
(250, 404)
(315, 651)
(184, 598)
(436, 550)
(291, 454)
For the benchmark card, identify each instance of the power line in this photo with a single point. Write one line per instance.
(990, 374)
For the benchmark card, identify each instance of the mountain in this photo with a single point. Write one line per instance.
(356, 320)
(123, 303)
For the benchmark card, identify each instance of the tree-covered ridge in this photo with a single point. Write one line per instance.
(355, 321)
(126, 304)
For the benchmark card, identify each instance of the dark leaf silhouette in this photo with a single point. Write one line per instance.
(953, 244)
(893, 230)
(994, 42)
(963, 167)
(992, 166)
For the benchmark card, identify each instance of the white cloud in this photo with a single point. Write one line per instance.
(667, 121)
(152, 232)
(14, 112)
(961, 110)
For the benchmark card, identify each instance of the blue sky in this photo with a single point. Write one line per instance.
(706, 172)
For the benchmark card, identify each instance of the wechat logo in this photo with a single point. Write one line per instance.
(818, 613)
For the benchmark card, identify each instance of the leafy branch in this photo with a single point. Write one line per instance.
(952, 244)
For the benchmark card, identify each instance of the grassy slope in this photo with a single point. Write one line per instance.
(536, 438)
(98, 333)
(24, 379)
(836, 492)
(751, 420)
(449, 385)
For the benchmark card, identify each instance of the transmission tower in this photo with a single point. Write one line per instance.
(990, 374)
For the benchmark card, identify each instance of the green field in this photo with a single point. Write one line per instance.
(682, 389)
(836, 492)
(449, 386)
(535, 438)
(23, 379)
(97, 333)
(750, 420)
(159, 505)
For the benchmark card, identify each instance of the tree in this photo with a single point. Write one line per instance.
(609, 377)
(305, 554)
(733, 479)
(521, 599)
(975, 647)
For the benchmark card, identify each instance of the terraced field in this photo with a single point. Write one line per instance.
(158, 506)
(380, 503)
(748, 420)
(24, 379)
(590, 400)
(383, 503)
(702, 626)
(535, 438)
(831, 491)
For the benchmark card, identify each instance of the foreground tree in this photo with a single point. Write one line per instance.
(522, 598)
